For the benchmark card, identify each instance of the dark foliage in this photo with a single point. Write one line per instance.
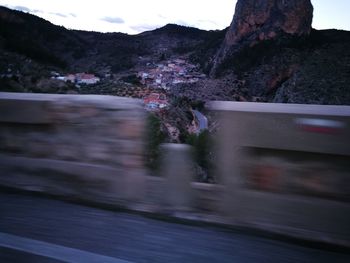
(154, 137)
(203, 153)
(246, 57)
(183, 31)
(29, 45)
(207, 49)
(133, 79)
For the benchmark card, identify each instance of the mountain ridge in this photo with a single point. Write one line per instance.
(271, 70)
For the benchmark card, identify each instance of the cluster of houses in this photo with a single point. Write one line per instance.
(78, 78)
(155, 101)
(173, 72)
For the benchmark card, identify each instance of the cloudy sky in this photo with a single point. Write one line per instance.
(135, 16)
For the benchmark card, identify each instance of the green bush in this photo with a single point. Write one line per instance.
(203, 147)
(154, 137)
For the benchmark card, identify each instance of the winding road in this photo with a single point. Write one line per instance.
(202, 121)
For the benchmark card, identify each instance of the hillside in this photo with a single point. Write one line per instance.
(264, 60)
(45, 43)
(31, 47)
(271, 53)
(314, 69)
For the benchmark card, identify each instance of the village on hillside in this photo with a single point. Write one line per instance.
(172, 72)
(162, 77)
(155, 79)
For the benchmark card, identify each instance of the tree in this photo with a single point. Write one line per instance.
(154, 137)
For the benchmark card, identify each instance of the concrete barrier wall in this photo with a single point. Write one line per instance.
(286, 167)
(88, 146)
(281, 168)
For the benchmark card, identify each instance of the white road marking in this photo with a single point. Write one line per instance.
(320, 122)
(54, 251)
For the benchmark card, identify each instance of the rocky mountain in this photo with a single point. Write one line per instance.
(255, 21)
(271, 53)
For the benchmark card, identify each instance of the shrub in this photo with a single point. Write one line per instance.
(154, 137)
(203, 147)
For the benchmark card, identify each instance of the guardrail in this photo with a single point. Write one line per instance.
(285, 167)
(83, 146)
(281, 168)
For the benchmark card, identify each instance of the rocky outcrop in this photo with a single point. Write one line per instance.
(258, 20)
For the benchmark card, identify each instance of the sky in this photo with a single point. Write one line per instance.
(136, 16)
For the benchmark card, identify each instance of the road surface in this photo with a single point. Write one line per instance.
(37, 229)
(202, 120)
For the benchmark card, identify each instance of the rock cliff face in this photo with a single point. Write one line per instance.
(258, 20)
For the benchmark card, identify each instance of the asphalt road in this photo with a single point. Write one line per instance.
(202, 120)
(37, 229)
